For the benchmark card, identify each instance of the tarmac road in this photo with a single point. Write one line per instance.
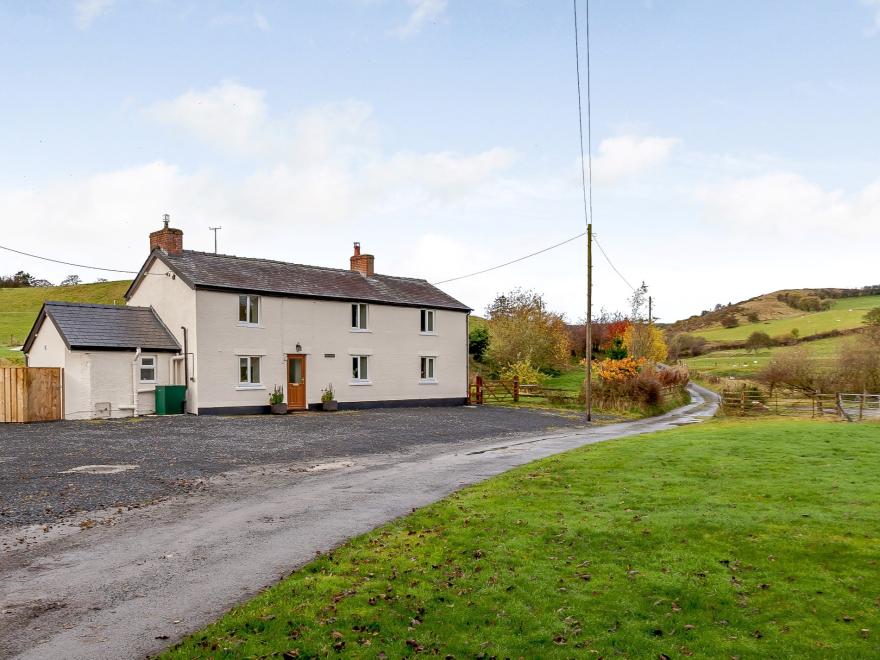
(128, 585)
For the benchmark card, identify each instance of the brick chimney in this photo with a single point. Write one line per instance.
(167, 238)
(362, 263)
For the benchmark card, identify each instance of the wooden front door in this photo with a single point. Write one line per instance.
(296, 382)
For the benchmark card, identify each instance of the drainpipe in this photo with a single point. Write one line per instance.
(185, 366)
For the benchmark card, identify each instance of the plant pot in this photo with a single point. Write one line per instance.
(330, 406)
(278, 408)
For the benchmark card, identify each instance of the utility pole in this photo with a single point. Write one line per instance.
(650, 310)
(215, 230)
(588, 378)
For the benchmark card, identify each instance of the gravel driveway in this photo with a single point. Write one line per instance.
(174, 455)
(128, 584)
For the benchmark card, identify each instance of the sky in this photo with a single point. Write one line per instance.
(734, 145)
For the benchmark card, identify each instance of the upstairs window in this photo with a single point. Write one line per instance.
(359, 316)
(148, 369)
(359, 370)
(249, 310)
(248, 371)
(427, 373)
(427, 323)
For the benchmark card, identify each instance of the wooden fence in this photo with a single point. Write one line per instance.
(483, 390)
(851, 407)
(30, 394)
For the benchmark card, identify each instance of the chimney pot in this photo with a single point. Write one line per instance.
(167, 238)
(362, 263)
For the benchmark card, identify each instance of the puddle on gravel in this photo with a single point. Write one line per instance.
(99, 469)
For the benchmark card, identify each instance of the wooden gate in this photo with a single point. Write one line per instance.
(30, 394)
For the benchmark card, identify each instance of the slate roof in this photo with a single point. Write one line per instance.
(109, 327)
(205, 270)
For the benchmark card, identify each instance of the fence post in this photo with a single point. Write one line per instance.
(515, 389)
(479, 383)
(862, 406)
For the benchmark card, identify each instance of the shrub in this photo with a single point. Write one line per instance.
(753, 317)
(794, 370)
(729, 321)
(524, 370)
(758, 340)
(677, 375)
(685, 345)
(522, 328)
(617, 350)
(644, 340)
(478, 342)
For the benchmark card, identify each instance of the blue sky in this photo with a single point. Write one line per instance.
(735, 144)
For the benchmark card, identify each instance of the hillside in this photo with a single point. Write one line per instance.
(843, 310)
(19, 307)
(845, 314)
(769, 307)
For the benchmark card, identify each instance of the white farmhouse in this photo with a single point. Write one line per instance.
(232, 329)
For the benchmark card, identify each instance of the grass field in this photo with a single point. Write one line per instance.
(845, 314)
(726, 539)
(745, 364)
(19, 307)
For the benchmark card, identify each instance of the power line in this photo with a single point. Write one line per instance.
(513, 261)
(613, 267)
(67, 263)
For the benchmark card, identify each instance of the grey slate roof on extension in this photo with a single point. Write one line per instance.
(108, 327)
(219, 271)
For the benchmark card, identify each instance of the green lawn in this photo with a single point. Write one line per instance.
(19, 308)
(745, 364)
(728, 539)
(845, 314)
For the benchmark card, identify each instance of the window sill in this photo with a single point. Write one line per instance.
(360, 382)
(428, 334)
(241, 388)
(242, 324)
(149, 382)
(361, 330)
(427, 382)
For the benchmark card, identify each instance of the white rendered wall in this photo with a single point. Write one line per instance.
(175, 303)
(393, 342)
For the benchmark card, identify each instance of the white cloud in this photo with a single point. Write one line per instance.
(873, 5)
(785, 202)
(329, 153)
(229, 115)
(422, 12)
(88, 11)
(624, 156)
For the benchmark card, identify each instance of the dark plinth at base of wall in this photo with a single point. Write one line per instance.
(343, 405)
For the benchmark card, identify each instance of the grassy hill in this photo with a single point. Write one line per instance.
(845, 314)
(739, 363)
(768, 308)
(19, 307)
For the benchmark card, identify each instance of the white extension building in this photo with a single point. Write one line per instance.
(232, 329)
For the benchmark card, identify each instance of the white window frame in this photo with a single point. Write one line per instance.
(249, 366)
(428, 369)
(360, 370)
(154, 367)
(360, 317)
(428, 321)
(252, 305)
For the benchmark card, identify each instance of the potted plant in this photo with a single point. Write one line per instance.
(276, 401)
(328, 400)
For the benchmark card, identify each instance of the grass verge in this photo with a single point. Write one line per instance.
(749, 539)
